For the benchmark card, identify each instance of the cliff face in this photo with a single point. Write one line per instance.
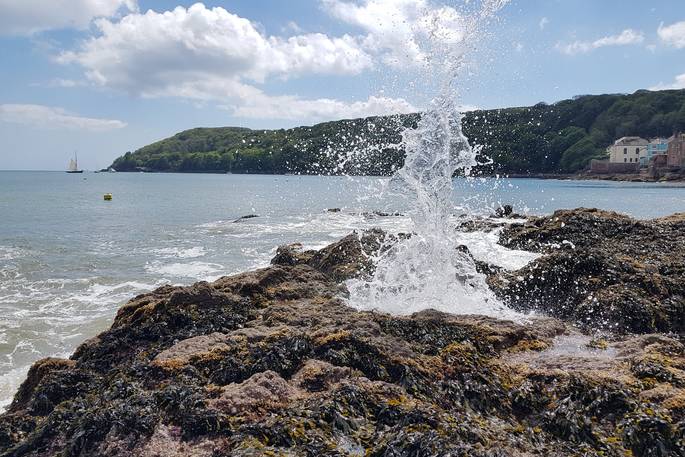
(272, 362)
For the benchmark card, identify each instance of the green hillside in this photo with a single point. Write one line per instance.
(560, 137)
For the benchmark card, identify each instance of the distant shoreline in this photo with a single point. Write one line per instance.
(672, 177)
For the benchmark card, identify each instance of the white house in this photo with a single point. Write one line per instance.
(628, 149)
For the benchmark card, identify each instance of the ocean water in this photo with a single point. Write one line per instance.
(68, 259)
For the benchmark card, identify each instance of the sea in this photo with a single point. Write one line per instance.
(69, 259)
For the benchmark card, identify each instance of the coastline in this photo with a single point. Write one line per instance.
(273, 361)
(623, 177)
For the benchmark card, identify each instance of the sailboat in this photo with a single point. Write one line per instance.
(73, 165)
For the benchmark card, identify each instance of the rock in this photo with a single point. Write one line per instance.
(504, 211)
(292, 254)
(333, 210)
(39, 372)
(373, 214)
(273, 362)
(342, 260)
(247, 216)
(581, 227)
(601, 269)
(260, 393)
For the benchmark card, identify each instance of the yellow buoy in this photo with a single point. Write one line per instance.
(108, 197)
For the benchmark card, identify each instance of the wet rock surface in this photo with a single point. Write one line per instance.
(272, 362)
(600, 269)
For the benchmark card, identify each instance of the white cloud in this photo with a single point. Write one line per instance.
(294, 108)
(244, 100)
(673, 35)
(292, 26)
(25, 17)
(54, 118)
(149, 52)
(212, 55)
(543, 23)
(411, 32)
(627, 37)
(678, 83)
(399, 29)
(61, 82)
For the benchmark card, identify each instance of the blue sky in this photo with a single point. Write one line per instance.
(106, 76)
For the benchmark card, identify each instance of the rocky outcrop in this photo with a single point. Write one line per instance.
(350, 257)
(601, 269)
(273, 362)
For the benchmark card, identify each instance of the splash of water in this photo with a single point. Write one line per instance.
(428, 270)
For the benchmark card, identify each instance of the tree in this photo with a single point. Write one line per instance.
(579, 155)
(538, 139)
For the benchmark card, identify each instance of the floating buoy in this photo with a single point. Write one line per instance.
(107, 197)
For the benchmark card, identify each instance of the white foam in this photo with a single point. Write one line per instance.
(180, 253)
(11, 253)
(417, 274)
(49, 318)
(484, 246)
(9, 383)
(196, 270)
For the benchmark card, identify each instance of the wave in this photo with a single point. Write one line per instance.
(12, 253)
(187, 253)
(196, 270)
(49, 318)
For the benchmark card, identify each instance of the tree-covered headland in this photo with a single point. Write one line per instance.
(545, 138)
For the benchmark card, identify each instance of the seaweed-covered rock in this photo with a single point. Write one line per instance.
(273, 362)
(600, 269)
(348, 258)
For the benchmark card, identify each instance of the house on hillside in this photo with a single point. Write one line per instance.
(628, 149)
(676, 151)
(656, 146)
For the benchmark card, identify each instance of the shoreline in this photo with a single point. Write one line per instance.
(637, 178)
(274, 362)
(679, 177)
(669, 177)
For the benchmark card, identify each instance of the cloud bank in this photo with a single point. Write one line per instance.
(212, 55)
(398, 30)
(54, 118)
(26, 17)
(625, 38)
(673, 35)
(678, 83)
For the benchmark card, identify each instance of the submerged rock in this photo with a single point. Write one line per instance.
(247, 216)
(273, 362)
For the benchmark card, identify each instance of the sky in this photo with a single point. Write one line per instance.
(103, 77)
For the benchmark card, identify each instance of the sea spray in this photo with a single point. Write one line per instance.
(429, 269)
